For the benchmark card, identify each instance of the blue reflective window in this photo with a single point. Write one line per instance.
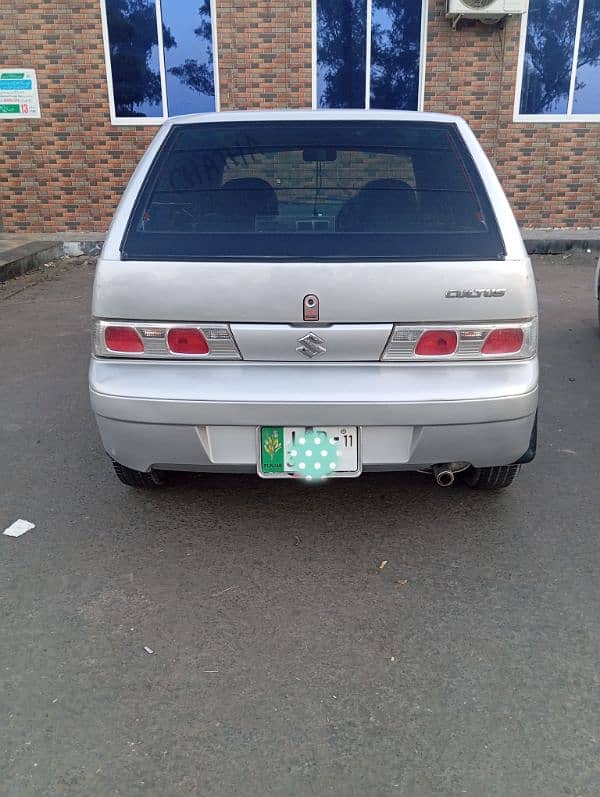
(187, 42)
(395, 54)
(133, 51)
(587, 85)
(549, 48)
(550, 58)
(135, 60)
(341, 53)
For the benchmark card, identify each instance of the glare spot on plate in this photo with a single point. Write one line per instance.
(309, 478)
(302, 440)
(332, 465)
(302, 465)
(317, 466)
(293, 453)
(338, 453)
(309, 453)
(323, 453)
(317, 441)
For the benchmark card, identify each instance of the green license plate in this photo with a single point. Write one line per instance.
(313, 453)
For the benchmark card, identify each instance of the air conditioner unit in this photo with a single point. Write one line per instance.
(478, 9)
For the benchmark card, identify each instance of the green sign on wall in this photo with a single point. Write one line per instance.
(18, 94)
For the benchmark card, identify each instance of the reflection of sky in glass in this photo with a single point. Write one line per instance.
(395, 46)
(587, 88)
(548, 56)
(133, 44)
(151, 108)
(189, 93)
(341, 53)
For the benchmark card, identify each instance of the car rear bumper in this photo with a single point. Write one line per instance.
(203, 416)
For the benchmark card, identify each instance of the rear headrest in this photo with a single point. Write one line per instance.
(388, 191)
(377, 206)
(250, 196)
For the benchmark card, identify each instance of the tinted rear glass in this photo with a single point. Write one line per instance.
(313, 190)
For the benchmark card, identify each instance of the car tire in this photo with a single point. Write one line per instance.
(494, 478)
(136, 478)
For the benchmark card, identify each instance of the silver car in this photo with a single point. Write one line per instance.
(311, 295)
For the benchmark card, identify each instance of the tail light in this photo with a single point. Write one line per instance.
(512, 341)
(182, 340)
(123, 339)
(437, 343)
(503, 341)
(164, 341)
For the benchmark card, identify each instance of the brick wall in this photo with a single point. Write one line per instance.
(66, 170)
(264, 53)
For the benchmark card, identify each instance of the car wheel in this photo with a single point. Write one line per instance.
(495, 478)
(137, 478)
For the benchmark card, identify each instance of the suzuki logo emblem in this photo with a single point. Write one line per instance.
(311, 345)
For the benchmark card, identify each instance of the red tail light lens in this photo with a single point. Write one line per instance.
(437, 343)
(123, 339)
(187, 341)
(503, 341)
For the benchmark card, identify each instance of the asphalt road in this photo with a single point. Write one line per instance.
(284, 663)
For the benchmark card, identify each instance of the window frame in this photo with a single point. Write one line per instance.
(135, 121)
(569, 116)
(369, 22)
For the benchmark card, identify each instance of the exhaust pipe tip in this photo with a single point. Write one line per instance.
(443, 475)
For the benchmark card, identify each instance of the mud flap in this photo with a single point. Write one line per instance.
(529, 455)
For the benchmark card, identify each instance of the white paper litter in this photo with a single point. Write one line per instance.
(18, 527)
(148, 650)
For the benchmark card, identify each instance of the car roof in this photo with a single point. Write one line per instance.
(309, 115)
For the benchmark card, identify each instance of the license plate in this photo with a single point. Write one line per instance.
(313, 453)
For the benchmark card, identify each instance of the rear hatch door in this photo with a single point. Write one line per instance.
(378, 222)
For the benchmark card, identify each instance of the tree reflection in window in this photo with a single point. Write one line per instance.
(395, 53)
(133, 50)
(341, 53)
(189, 60)
(587, 86)
(550, 58)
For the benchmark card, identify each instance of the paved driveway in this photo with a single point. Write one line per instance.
(284, 663)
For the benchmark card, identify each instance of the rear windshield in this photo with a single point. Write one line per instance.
(313, 190)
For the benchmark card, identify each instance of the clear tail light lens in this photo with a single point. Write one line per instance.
(503, 341)
(510, 341)
(187, 341)
(123, 340)
(437, 343)
(164, 341)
